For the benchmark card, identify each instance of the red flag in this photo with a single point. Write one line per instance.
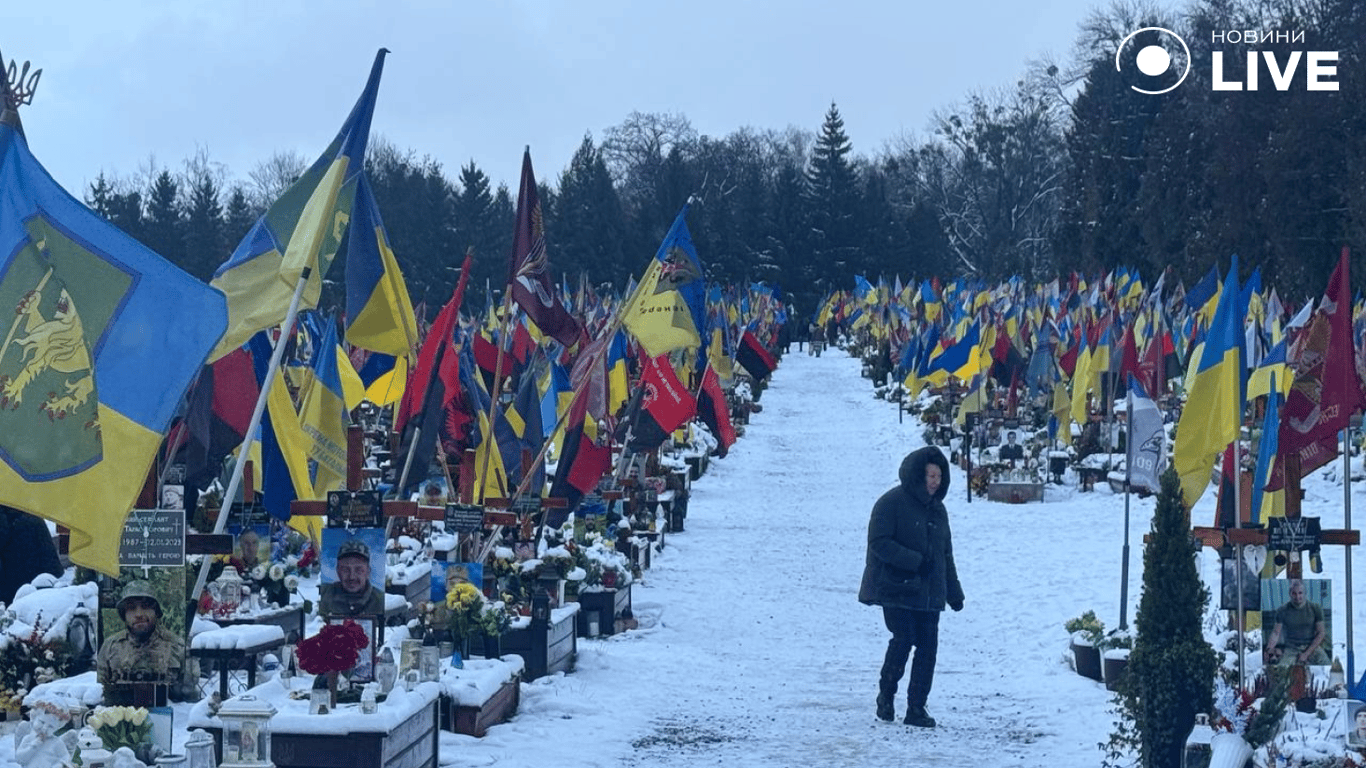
(665, 404)
(528, 274)
(711, 408)
(439, 343)
(1323, 397)
(1128, 362)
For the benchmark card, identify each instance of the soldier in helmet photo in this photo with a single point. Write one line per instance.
(352, 593)
(144, 651)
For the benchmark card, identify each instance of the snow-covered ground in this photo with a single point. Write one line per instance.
(753, 650)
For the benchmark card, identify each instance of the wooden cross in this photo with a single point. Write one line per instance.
(355, 472)
(1294, 496)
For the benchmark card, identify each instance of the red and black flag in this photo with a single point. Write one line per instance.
(712, 410)
(434, 387)
(755, 359)
(529, 274)
(585, 458)
(664, 405)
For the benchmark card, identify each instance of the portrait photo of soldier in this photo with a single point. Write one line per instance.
(353, 572)
(144, 650)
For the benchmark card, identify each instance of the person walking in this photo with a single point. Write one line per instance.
(911, 575)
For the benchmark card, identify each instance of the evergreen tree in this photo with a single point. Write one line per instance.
(238, 218)
(833, 200)
(1171, 669)
(588, 226)
(205, 246)
(165, 229)
(478, 226)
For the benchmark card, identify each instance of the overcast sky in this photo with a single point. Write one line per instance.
(131, 80)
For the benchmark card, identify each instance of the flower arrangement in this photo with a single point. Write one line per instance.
(496, 618)
(121, 727)
(1091, 628)
(1254, 714)
(27, 660)
(336, 648)
(466, 605)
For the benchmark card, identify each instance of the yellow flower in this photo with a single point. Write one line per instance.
(463, 595)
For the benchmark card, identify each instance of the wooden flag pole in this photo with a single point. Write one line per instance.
(276, 356)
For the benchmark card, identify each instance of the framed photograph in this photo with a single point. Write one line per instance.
(1293, 611)
(143, 608)
(364, 671)
(1356, 724)
(353, 563)
(447, 575)
(1228, 587)
(250, 548)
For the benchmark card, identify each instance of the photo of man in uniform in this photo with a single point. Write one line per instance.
(352, 594)
(144, 651)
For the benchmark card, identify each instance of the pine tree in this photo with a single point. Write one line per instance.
(238, 218)
(1171, 669)
(587, 227)
(165, 227)
(833, 197)
(205, 246)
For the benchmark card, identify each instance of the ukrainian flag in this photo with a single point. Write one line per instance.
(323, 417)
(1214, 404)
(378, 310)
(101, 339)
(303, 228)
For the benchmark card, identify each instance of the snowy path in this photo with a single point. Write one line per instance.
(754, 651)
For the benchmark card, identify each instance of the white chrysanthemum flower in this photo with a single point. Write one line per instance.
(291, 583)
(277, 572)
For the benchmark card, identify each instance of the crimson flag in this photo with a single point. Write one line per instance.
(665, 404)
(1323, 397)
(528, 274)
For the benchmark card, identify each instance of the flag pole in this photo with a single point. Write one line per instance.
(1128, 480)
(1347, 524)
(235, 481)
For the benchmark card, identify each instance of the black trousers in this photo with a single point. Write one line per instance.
(910, 629)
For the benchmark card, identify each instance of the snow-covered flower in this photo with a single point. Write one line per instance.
(277, 572)
(292, 583)
(259, 572)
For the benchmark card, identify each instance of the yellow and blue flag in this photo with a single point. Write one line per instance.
(303, 228)
(666, 311)
(1214, 403)
(379, 312)
(102, 338)
(323, 417)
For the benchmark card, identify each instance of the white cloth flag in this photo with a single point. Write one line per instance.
(1147, 443)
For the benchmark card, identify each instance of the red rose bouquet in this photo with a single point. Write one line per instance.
(334, 649)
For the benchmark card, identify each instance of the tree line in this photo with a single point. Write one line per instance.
(1067, 169)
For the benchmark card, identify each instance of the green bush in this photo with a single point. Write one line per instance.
(1171, 667)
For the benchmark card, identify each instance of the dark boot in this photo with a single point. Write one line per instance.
(886, 710)
(917, 716)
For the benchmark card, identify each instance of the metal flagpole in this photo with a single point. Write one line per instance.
(275, 356)
(1128, 479)
(1347, 525)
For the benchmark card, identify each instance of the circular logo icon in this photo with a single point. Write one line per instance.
(1149, 63)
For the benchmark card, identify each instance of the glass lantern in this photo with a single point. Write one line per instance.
(199, 750)
(230, 588)
(246, 732)
(1197, 752)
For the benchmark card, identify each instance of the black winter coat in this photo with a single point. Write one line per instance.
(26, 550)
(910, 549)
